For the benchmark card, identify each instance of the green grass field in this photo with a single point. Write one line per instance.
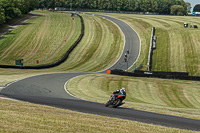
(178, 48)
(43, 37)
(100, 48)
(173, 97)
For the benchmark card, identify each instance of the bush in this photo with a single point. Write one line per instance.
(177, 10)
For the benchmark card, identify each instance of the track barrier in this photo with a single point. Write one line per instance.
(151, 48)
(156, 74)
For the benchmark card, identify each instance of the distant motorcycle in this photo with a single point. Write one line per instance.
(116, 101)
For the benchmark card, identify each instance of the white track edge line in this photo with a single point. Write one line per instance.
(69, 92)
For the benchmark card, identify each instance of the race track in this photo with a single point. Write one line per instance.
(49, 90)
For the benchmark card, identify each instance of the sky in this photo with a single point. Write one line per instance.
(193, 2)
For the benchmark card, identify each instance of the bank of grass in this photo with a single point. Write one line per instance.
(41, 38)
(178, 48)
(98, 27)
(25, 117)
(173, 97)
(99, 49)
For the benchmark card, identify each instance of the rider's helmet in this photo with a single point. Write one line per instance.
(123, 88)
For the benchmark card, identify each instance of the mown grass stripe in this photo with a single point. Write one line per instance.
(178, 92)
(162, 62)
(93, 42)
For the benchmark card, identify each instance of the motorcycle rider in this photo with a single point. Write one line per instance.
(118, 92)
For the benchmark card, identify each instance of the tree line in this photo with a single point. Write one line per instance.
(175, 7)
(10, 9)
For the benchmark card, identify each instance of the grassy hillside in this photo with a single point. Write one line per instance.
(41, 38)
(178, 48)
(26, 117)
(100, 48)
(172, 97)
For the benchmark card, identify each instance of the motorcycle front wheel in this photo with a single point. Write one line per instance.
(107, 104)
(117, 103)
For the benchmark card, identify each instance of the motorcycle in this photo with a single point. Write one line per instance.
(116, 102)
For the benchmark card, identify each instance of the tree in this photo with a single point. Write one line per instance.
(188, 7)
(2, 15)
(142, 5)
(58, 3)
(10, 9)
(106, 4)
(119, 5)
(86, 3)
(196, 8)
(147, 6)
(166, 7)
(92, 4)
(137, 6)
(132, 6)
(77, 3)
(177, 10)
(125, 5)
(23, 5)
(113, 4)
(157, 6)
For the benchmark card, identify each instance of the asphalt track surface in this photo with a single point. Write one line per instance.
(49, 90)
